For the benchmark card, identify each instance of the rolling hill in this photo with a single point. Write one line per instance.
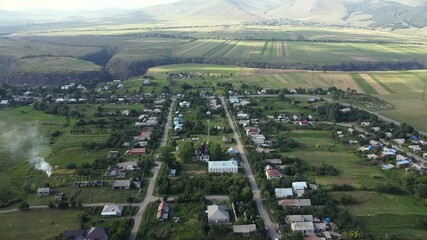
(391, 14)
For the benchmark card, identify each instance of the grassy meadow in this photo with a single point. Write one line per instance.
(39, 224)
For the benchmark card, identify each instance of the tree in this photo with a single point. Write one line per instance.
(186, 150)
(216, 151)
(23, 206)
(166, 155)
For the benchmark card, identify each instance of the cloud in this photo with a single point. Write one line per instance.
(75, 5)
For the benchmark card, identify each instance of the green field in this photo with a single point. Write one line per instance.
(383, 214)
(38, 224)
(56, 65)
(189, 226)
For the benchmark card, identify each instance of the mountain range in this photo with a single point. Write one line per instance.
(391, 14)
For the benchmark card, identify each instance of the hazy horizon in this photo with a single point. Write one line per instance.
(76, 5)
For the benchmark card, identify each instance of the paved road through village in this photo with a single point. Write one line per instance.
(149, 197)
(248, 172)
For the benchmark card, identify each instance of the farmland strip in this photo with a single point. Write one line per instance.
(217, 48)
(367, 88)
(264, 48)
(385, 86)
(186, 50)
(374, 84)
(232, 49)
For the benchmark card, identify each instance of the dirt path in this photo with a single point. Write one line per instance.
(262, 210)
(380, 89)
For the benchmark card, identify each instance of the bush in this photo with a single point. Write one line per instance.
(23, 206)
(347, 200)
(390, 189)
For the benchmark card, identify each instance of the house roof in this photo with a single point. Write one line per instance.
(127, 165)
(403, 162)
(112, 209)
(43, 190)
(302, 226)
(122, 183)
(274, 161)
(299, 218)
(244, 228)
(283, 192)
(218, 212)
(295, 202)
(299, 185)
(97, 233)
(273, 173)
(162, 209)
(387, 166)
(223, 164)
(137, 151)
(145, 134)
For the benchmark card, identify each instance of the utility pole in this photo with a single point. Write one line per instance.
(208, 131)
(424, 92)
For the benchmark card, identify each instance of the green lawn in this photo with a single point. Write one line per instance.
(351, 168)
(189, 227)
(38, 224)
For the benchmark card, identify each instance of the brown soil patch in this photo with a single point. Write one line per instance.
(341, 81)
(374, 84)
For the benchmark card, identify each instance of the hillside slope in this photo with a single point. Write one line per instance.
(372, 13)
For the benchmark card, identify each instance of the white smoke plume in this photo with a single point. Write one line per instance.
(25, 141)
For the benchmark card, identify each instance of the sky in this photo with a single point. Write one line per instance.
(75, 5)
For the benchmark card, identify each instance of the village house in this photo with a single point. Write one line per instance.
(233, 99)
(112, 210)
(135, 151)
(113, 154)
(304, 123)
(376, 129)
(145, 135)
(399, 141)
(365, 124)
(125, 113)
(203, 153)
(163, 211)
(400, 157)
(388, 135)
(94, 233)
(295, 203)
(218, 214)
(276, 161)
(272, 173)
(375, 143)
(258, 139)
(299, 188)
(230, 166)
(127, 166)
(243, 116)
(298, 218)
(372, 156)
(283, 192)
(252, 131)
(403, 163)
(350, 130)
(388, 152)
(345, 110)
(41, 192)
(121, 184)
(185, 104)
(304, 227)
(387, 166)
(415, 148)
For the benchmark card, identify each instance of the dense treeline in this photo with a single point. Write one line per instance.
(122, 69)
(211, 184)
